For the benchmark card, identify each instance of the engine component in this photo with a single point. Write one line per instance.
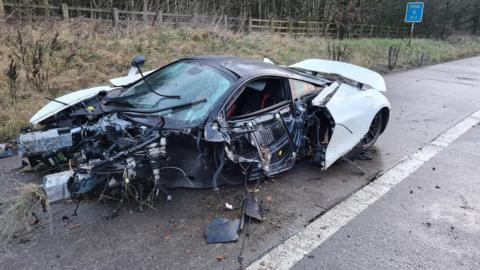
(55, 186)
(82, 184)
(110, 122)
(44, 142)
(131, 168)
(157, 155)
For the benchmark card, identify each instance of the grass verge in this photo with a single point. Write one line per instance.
(52, 58)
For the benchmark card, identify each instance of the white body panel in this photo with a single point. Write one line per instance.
(353, 111)
(346, 70)
(71, 99)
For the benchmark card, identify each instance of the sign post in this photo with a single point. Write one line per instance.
(413, 14)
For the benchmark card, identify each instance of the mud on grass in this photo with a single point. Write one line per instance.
(76, 55)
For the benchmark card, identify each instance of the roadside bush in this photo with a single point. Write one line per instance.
(39, 58)
(12, 75)
(339, 51)
(393, 52)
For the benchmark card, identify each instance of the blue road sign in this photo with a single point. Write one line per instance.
(414, 13)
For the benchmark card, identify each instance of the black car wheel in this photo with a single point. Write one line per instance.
(373, 132)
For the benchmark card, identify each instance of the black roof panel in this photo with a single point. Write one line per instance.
(242, 66)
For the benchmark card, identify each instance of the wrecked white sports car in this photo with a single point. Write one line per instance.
(203, 122)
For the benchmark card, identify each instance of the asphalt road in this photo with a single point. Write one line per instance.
(425, 103)
(431, 220)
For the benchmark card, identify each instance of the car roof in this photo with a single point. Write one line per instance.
(245, 68)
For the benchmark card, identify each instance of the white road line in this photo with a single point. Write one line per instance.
(285, 255)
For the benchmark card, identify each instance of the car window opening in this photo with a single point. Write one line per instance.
(258, 95)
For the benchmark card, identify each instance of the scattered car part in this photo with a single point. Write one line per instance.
(55, 186)
(6, 153)
(253, 208)
(364, 156)
(222, 230)
(228, 206)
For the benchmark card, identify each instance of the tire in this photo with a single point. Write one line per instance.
(374, 131)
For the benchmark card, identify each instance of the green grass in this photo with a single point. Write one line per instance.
(88, 54)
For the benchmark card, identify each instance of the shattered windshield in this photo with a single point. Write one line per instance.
(190, 80)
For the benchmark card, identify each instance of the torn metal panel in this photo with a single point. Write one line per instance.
(6, 153)
(222, 230)
(214, 133)
(253, 208)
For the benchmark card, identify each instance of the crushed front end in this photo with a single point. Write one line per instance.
(138, 140)
(115, 156)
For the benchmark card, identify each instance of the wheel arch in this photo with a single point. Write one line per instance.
(385, 111)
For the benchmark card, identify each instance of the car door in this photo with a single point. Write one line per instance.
(352, 111)
(267, 137)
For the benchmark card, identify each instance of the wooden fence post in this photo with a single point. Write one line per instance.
(46, 11)
(290, 26)
(159, 19)
(115, 16)
(371, 30)
(272, 25)
(307, 30)
(2, 10)
(65, 11)
(225, 22)
(249, 24)
(144, 9)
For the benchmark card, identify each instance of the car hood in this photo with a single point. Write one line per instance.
(73, 98)
(66, 101)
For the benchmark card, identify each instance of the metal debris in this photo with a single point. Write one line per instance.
(252, 208)
(228, 206)
(5, 151)
(365, 156)
(55, 186)
(222, 230)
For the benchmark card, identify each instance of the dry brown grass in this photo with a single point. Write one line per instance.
(87, 54)
(17, 220)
